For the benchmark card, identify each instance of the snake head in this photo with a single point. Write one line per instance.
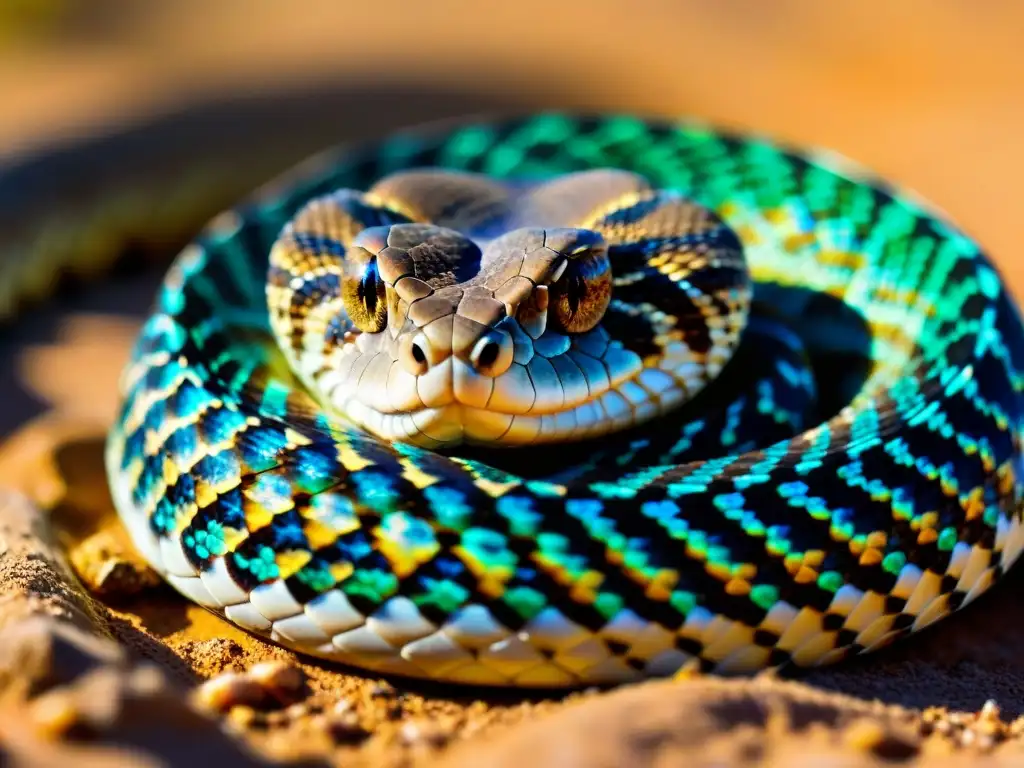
(461, 342)
(501, 335)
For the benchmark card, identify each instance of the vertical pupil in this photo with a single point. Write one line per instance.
(575, 290)
(368, 287)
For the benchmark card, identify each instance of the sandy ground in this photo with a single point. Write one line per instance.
(96, 655)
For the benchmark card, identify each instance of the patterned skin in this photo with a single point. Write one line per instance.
(441, 307)
(851, 475)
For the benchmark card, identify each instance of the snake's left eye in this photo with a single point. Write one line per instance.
(580, 295)
(363, 292)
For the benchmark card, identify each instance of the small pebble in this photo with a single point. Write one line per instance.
(147, 680)
(873, 737)
(423, 733)
(276, 719)
(989, 711)
(285, 681)
(989, 727)
(313, 707)
(981, 730)
(229, 690)
(346, 729)
(118, 579)
(243, 717)
(55, 715)
(269, 685)
(341, 707)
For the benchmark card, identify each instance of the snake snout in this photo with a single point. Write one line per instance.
(488, 353)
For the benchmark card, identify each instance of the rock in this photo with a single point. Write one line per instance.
(68, 693)
(268, 685)
(34, 576)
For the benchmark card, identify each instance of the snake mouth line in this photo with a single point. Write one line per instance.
(646, 394)
(583, 390)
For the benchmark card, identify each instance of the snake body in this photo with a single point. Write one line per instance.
(807, 389)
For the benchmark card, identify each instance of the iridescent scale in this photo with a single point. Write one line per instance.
(855, 477)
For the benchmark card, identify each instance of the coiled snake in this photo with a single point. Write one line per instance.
(766, 410)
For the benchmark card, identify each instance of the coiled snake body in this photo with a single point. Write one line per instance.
(765, 410)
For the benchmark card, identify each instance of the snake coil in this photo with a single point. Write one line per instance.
(807, 387)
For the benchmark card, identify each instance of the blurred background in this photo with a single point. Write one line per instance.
(929, 92)
(99, 95)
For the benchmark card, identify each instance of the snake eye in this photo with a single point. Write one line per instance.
(581, 293)
(363, 292)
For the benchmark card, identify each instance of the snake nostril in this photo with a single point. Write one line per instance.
(492, 354)
(487, 355)
(418, 355)
(413, 354)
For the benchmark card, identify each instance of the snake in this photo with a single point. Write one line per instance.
(562, 400)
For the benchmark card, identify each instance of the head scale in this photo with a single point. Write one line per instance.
(423, 333)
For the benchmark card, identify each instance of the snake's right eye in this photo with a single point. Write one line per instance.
(581, 293)
(363, 292)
